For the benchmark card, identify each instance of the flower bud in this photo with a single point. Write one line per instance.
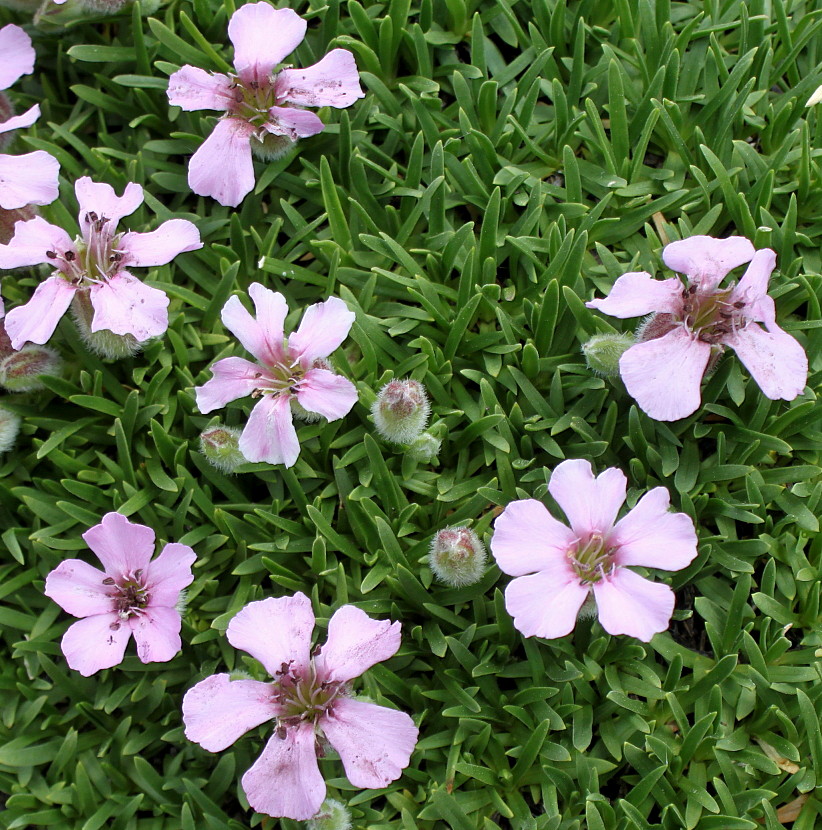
(424, 448)
(603, 351)
(332, 815)
(221, 447)
(457, 556)
(9, 427)
(104, 342)
(21, 371)
(401, 411)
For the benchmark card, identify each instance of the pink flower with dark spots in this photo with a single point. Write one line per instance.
(311, 702)
(561, 570)
(262, 104)
(133, 594)
(91, 270)
(291, 378)
(690, 326)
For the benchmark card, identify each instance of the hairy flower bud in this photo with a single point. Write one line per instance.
(401, 411)
(603, 351)
(425, 448)
(221, 447)
(21, 371)
(9, 427)
(457, 556)
(333, 815)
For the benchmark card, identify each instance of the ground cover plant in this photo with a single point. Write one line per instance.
(508, 163)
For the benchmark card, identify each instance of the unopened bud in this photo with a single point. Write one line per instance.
(221, 447)
(603, 351)
(103, 6)
(9, 427)
(332, 815)
(401, 411)
(104, 342)
(425, 448)
(21, 371)
(457, 556)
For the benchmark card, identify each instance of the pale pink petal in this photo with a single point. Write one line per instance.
(639, 293)
(95, 643)
(375, 743)
(100, 198)
(17, 55)
(323, 328)
(78, 588)
(527, 538)
(19, 122)
(233, 377)
(125, 305)
(169, 574)
(753, 287)
(262, 36)
(122, 546)
(33, 240)
(706, 260)
(219, 710)
(543, 605)
(269, 434)
(263, 336)
(333, 82)
(275, 631)
(653, 537)
(591, 504)
(35, 321)
(355, 643)
(285, 781)
(664, 375)
(157, 633)
(161, 246)
(192, 89)
(30, 179)
(293, 123)
(327, 394)
(776, 361)
(222, 166)
(627, 603)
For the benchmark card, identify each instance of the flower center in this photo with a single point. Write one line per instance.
(280, 378)
(303, 698)
(592, 559)
(711, 315)
(254, 99)
(131, 596)
(95, 256)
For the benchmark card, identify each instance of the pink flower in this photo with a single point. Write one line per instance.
(311, 701)
(262, 107)
(30, 179)
(691, 325)
(133, 595)
(93, 267)
(291, 377)
(567, 564)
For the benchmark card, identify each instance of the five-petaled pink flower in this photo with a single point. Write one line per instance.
(311, 701)
(262, 107)
(292, 377)
(29, 179)
(93, 268)
(691, 324)
(133, 595)
(565, 565)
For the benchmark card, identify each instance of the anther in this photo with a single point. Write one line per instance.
(70, 256)
(51, 254)
(108, 581)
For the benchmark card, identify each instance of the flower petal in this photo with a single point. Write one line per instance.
(706, 260)
(222, 166)
(285, 781)
(327, 394)
(752, 289)
(168, 574)
(275, 631)
(157, 633)
(545, 604)
(78, 588)
(219, 710)
(18, 55)
(355, 643)
(19, 122)
(233, 377)
(527, 538)
(262, 36)
(261, 336)
(35, 321)
(161, 246)
(100, 198)
(664, 375)
(323, 328)
(333, 82)
(653, 537)
(95, 643)
(124, 305)
(32, 240)
(639, 293)
(591, 504)
(627, 603)
(122, 546)
(269, 434)
(294, 123)
(776, 361)
(191, 88)
(30, 179)
(375, 743)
